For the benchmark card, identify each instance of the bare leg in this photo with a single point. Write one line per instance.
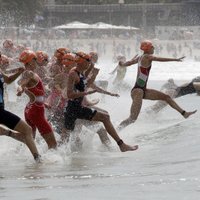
(137, 96)
(50, 140)
(101, 132)
(105, 119)
(25, 130)
(11, 133)
(157, 95)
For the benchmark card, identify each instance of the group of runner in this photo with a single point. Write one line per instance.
(57, 89)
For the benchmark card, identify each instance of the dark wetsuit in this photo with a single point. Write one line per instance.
(188, 89)
(74, 109)
(6, 118)
(142, 75)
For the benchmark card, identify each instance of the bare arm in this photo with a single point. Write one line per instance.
(114, 70)
(92, 76)
(133, 61)
(161, 59)
(26, 77)
(100, 90)
(9, 79)
(89, 70)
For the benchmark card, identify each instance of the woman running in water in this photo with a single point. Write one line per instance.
(32, 85)
(10, 124)
(76, 85)
(140, 90)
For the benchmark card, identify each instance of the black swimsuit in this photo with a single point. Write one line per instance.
(74, 109)
(6, 118)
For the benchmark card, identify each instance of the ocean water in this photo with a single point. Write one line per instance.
(166, 165)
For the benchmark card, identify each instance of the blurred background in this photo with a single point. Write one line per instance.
(120, 24)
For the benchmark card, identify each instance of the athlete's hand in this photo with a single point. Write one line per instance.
(180, 59)
(20, 90)
(114, 95)
(95, 70)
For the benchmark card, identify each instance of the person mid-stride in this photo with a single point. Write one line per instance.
(140, 90)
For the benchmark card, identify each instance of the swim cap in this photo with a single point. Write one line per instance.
(60, 52)
(82, 57)
(27, 56)
(146, 45)
(68, 59)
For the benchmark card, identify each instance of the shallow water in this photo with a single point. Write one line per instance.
(166, 166)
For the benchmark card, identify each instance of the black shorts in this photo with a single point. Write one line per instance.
(75, 111)
(8, 119)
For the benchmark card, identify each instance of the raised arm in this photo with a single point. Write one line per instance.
(10, 78)
(161, 59)
(133, 61)
(26, 77)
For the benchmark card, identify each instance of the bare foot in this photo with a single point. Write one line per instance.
(125, 147)
(187, 114)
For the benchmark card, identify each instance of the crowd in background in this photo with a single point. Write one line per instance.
(108, 45)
